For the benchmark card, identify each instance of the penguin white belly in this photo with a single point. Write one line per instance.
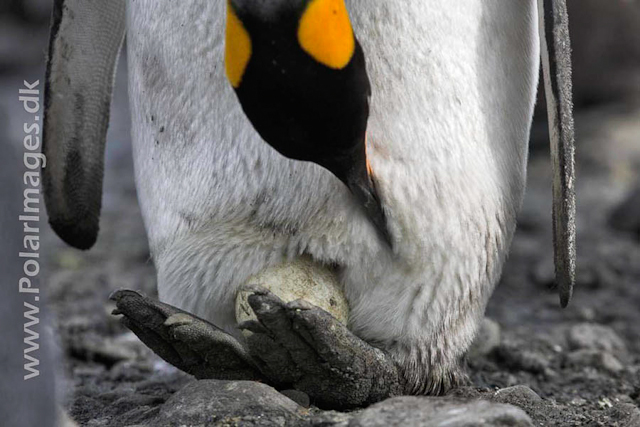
(453, 92)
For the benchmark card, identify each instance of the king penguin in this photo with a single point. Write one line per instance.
(386, 140)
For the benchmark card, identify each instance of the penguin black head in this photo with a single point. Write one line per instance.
(300, 75)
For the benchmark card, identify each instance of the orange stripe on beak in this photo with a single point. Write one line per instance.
(366, 158)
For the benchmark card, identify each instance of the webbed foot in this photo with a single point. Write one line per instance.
(302, 345)
(292, 345)
(189, 343)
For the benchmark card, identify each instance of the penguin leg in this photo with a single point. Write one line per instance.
(292, 345)
(302, 345)
(191, 344)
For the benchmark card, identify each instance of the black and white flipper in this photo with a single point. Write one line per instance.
(86, 37)
(556, 65)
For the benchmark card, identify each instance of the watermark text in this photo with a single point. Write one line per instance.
(34, 161)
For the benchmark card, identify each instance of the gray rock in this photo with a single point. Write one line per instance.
(519, 395)
(625, 415)
(594, 358)
(596, 337)
(331, 419)
(487, 339)
(134, 402)
(142, 415)
(524, 398)
(515, 356)
(98, 422)
(300, 397)
(434, 412)
(609, 363)
(588, 314)
(466, 392)
(212, 403)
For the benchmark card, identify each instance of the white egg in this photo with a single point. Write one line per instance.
(298, 279)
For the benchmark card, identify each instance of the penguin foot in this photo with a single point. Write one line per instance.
(302, 346)
(187, 342)
(292, 345)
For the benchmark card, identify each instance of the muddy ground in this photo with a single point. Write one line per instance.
(583, 362)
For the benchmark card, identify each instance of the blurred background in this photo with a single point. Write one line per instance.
(109, 378)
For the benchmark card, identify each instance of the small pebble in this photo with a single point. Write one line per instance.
(228, 403)
(579, 401)
(518, 395)
(595, 337)
(626, 414)
(434, 411)
(596, 359)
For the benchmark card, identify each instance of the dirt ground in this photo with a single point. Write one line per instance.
(583, 361)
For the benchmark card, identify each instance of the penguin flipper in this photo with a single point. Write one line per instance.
(85, 42)
(556, 65)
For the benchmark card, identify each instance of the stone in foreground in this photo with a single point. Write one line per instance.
(213, 402)
(440, 412)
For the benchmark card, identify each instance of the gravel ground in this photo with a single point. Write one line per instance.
(578, 366)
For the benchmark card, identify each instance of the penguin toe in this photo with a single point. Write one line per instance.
(306, 348)
(296, 345)
(189, 343)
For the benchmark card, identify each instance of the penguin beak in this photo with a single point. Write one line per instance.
(362, 185)
(302, 81)
(556, 65)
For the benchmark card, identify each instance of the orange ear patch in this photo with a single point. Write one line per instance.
(237, 48)
(325, 33)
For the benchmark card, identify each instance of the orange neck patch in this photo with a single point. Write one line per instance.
(325, 33)
(237, 48)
